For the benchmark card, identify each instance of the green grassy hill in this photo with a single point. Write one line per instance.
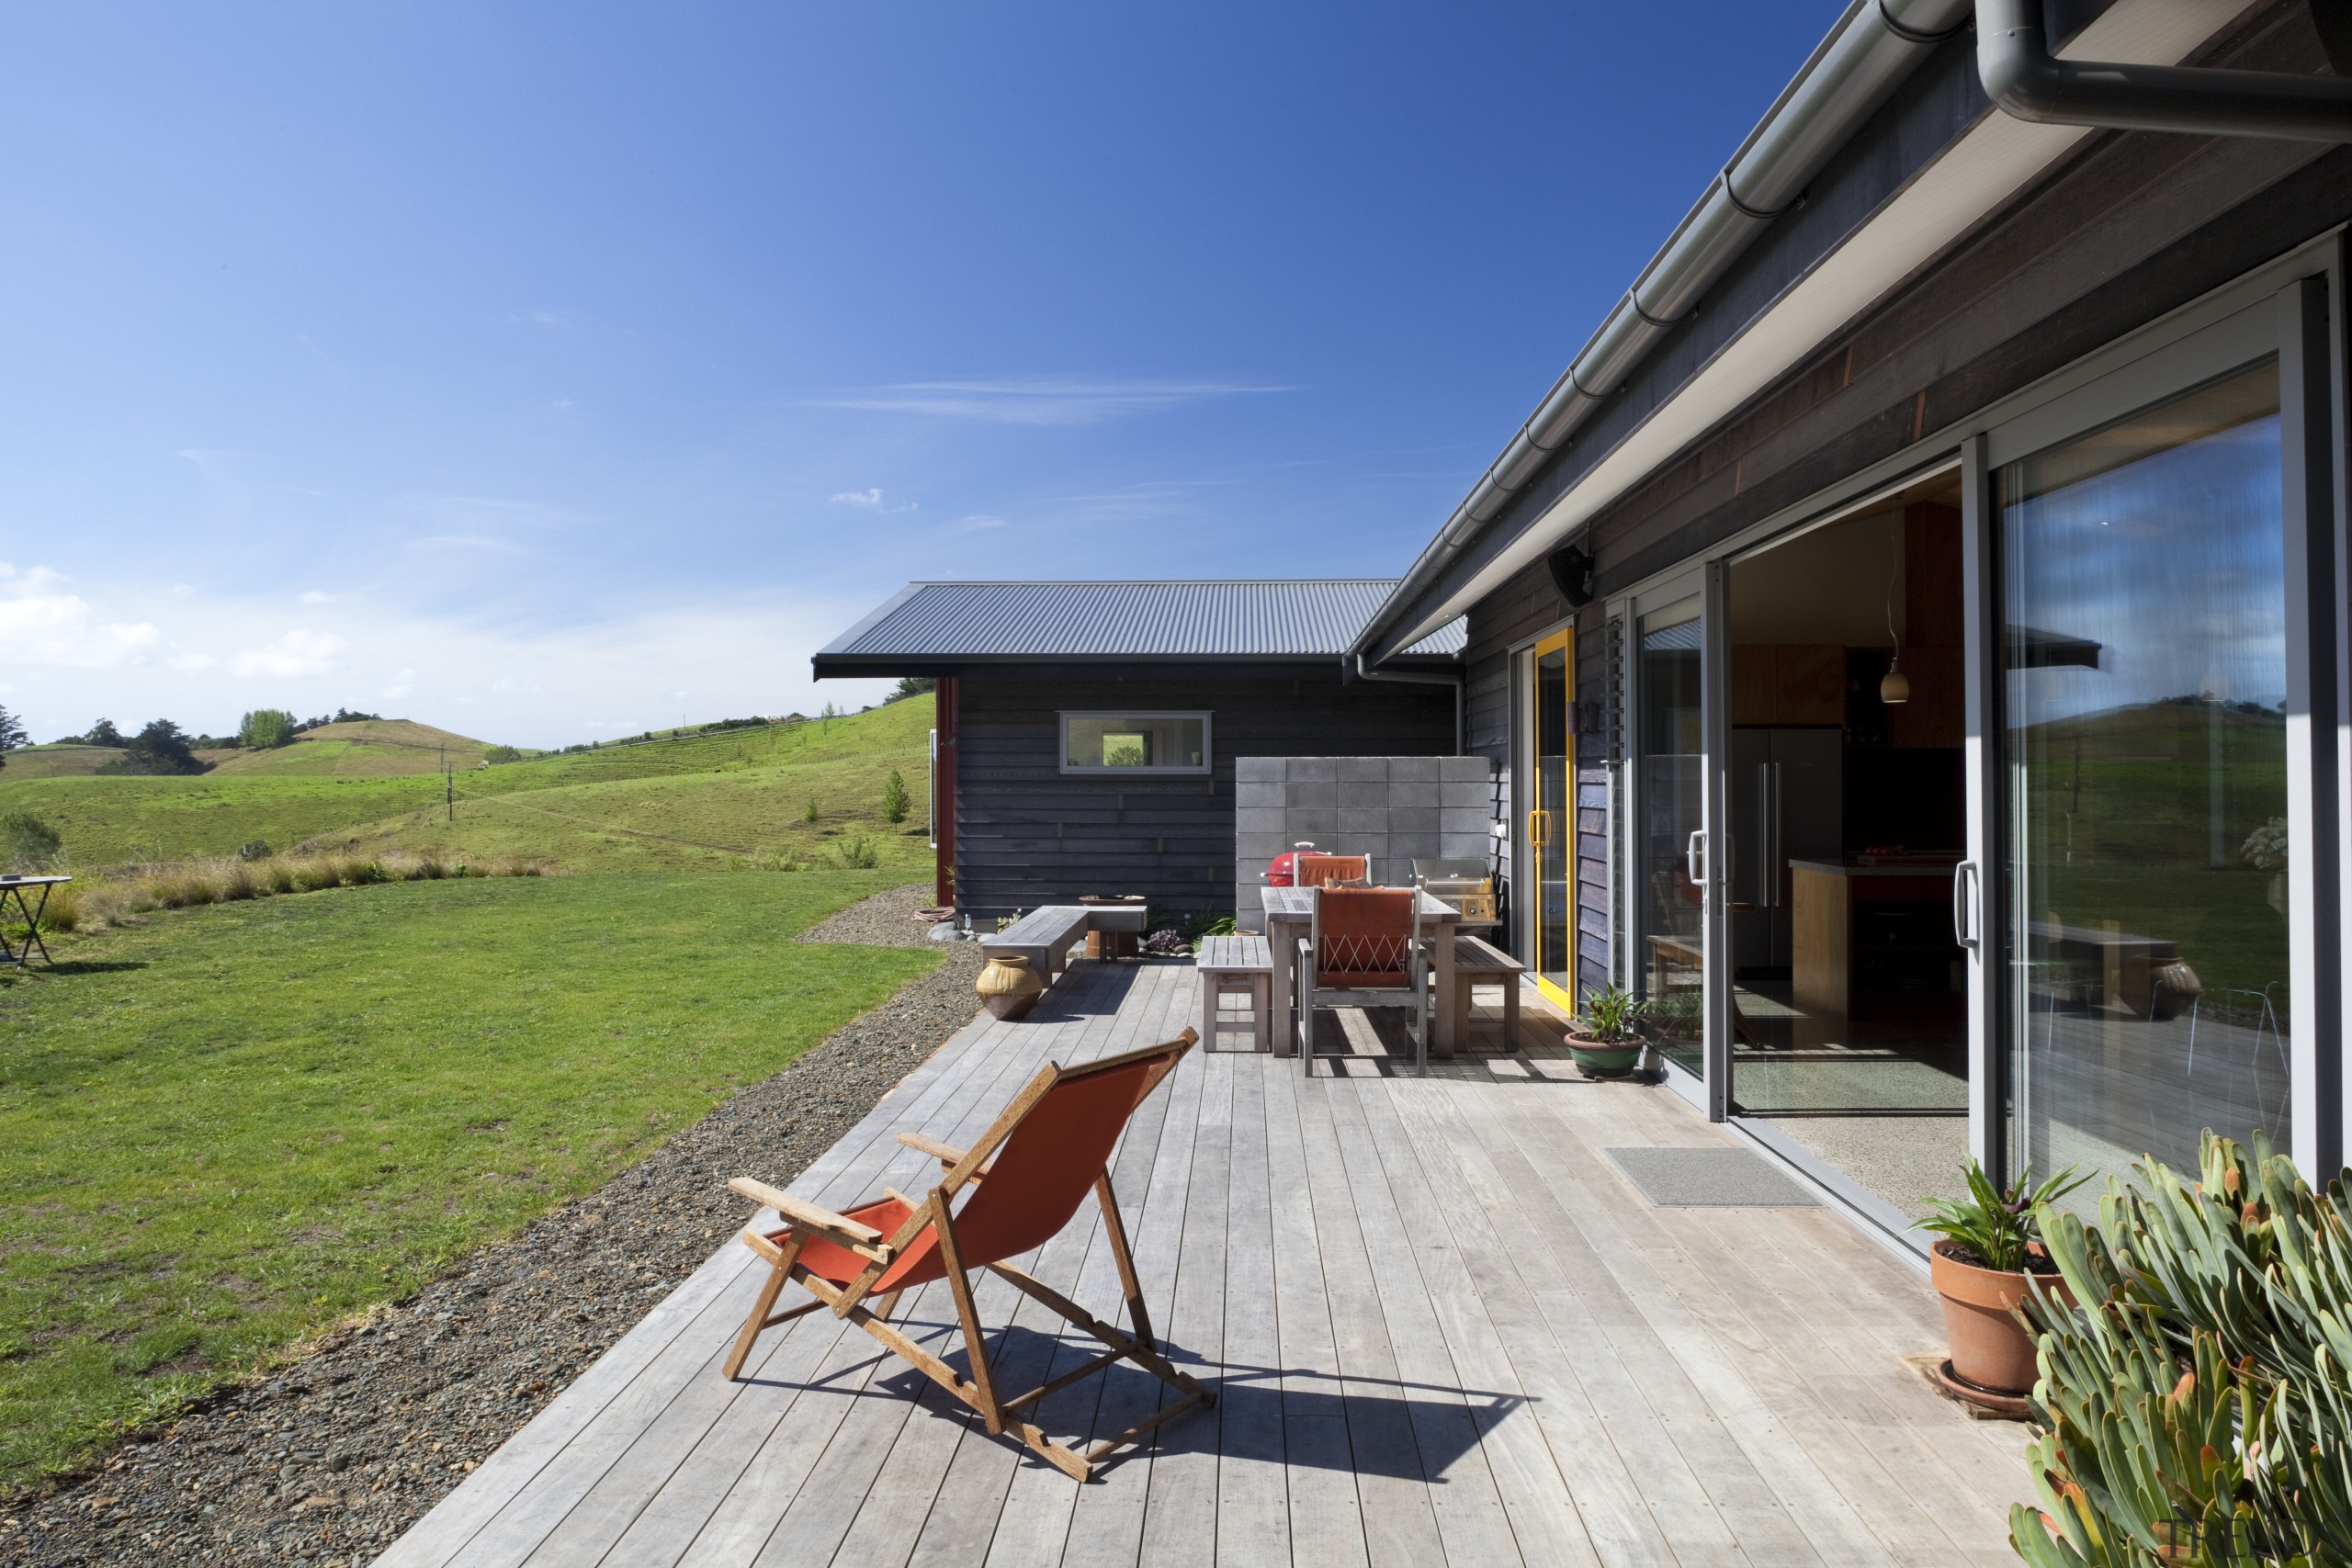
(728, 799)
(59, 760)
(366, 748)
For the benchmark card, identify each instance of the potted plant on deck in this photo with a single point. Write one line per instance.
(1990, 1247)
(1602, 1039)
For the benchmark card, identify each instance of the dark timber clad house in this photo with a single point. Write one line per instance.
(1914, 628)
(1087, 729)
(1913, 633)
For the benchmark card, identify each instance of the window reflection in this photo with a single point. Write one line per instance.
(2146, 746)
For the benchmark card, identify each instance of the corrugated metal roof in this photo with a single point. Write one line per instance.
(1125, 620)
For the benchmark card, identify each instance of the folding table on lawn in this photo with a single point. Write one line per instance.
(13, 888)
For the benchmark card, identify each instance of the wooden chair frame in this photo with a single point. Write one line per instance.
(1414, 993)
(962, 1168)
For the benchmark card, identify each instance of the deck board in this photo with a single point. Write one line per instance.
(1444, 1326)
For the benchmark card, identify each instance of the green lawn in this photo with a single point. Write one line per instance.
(222, 1127)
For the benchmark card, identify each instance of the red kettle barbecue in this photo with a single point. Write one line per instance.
(1282, 870)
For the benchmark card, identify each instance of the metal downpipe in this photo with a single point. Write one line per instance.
(2027, 80)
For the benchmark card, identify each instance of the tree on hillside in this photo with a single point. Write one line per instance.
(894, 798)
(102, 733)
(12, 734)
(911, 686)
(265, 727)
(161, 747)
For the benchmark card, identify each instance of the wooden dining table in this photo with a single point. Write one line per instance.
(1290, 917)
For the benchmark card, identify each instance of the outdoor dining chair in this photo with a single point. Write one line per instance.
(1030, 1171)
(1364, 949)
(1312, 870)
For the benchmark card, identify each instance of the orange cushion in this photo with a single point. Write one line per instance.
(918, 1265)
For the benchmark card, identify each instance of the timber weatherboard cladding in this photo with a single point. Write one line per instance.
(2128, 228)
(1028, 833)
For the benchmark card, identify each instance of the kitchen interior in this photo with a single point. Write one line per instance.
(1847, 811)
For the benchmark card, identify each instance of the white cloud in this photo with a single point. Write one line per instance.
(297, 654)
(205, 657)
(313, 596)
(871, 501)
(42, 626)
(1015, 399)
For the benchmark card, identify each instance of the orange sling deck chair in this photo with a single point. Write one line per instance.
(1030, 1170)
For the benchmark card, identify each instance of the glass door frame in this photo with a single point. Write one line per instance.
(2266, 316)
(1711, 1090)
(2305, 295)
(1538, 832)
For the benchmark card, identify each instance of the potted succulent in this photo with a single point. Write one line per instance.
(1602, 1038)
(1990, 1247)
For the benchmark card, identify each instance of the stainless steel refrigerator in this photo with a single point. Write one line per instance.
(1787, 803)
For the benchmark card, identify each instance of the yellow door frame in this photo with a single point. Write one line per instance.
(1541, 830)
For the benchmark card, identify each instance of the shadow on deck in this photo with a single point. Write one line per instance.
(1443, 1326)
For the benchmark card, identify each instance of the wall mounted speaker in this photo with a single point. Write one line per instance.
(1572, 574)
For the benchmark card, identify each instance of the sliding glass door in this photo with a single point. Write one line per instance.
(2144, 674)
(1671, 862)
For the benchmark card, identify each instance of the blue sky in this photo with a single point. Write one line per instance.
(554, 371)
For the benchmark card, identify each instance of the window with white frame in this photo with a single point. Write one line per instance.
(1135, 743)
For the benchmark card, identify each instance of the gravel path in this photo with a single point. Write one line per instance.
(331, 1459)
(886, 920)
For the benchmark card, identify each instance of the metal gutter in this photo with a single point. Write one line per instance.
(2026, 80)
(1873, 47)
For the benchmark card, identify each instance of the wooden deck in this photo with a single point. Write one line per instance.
(1444, 1329)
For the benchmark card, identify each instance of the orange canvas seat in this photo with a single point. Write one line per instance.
(1311, 870)
(1364, 948)
(1028, 1174)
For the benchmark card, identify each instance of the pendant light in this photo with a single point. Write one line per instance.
(1893, 686)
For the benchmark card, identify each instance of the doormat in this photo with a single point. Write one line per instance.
(1711, 1178)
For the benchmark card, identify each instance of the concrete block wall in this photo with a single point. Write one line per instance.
(1395, 809)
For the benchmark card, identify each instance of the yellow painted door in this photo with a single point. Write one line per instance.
(1552, 820)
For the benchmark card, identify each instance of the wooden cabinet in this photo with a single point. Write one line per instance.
(1885, 925)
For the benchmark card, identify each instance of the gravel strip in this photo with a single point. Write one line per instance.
(330, 1460)
(886, 920)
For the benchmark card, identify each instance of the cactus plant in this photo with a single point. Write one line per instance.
(2197, 1405)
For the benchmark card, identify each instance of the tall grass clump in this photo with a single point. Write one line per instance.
(125, 896)
(855, 854)
(63, 912)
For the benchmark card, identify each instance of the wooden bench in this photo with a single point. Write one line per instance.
(1237, 966)
(1478, 962)
(1043, 936)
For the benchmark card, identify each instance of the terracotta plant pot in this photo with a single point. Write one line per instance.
(1990, 1348)
(1009, 987)
(1603, 1058)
